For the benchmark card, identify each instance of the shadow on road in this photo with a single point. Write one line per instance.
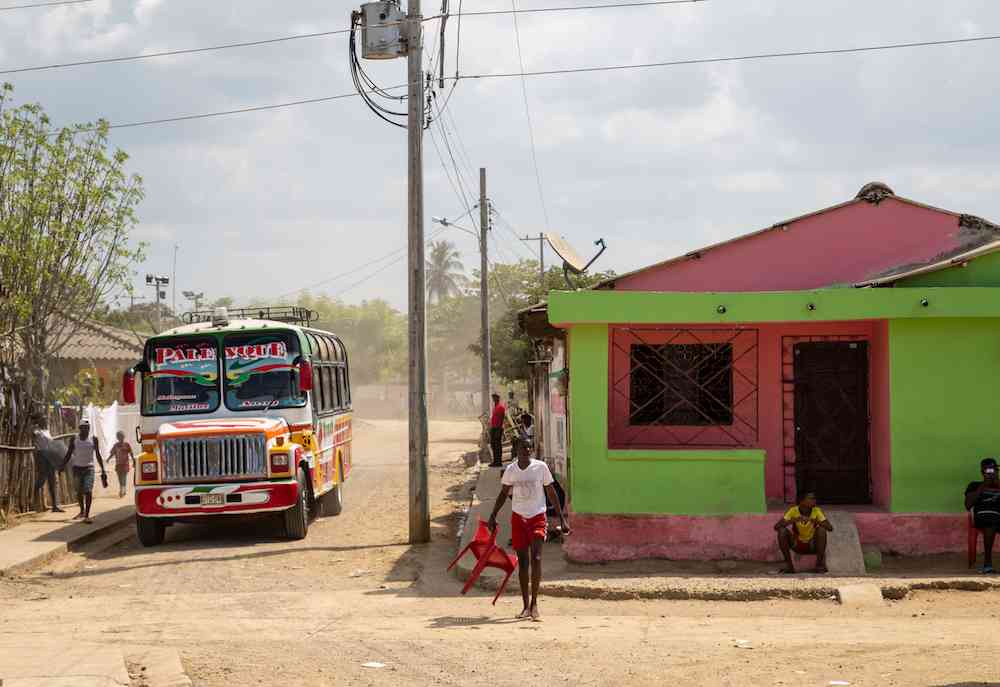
(447, 621)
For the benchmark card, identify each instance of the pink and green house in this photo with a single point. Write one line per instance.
(853, 351)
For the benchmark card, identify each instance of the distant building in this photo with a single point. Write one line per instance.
(852, 351)
(98, 346)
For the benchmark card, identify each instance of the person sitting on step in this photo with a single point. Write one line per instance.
(803, 529)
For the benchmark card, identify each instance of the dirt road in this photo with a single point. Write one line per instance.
(245, 607)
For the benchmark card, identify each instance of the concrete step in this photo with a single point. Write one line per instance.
(843, 546)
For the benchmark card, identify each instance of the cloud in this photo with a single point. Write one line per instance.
(656, 161)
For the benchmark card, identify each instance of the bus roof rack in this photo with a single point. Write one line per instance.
(290, 314)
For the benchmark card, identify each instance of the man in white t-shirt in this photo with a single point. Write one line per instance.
(528, 480)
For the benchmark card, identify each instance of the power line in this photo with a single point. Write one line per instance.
(384, 267)
(43, 4)
(344, 274)
(527, 113)
(295, 37)
(739, 58)
(459, 193)
(573, 8)
(169, 53)
(241, 110)
(578, 70)
(518, 240)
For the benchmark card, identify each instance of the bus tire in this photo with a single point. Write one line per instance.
(297, 517)
(149, 530)
(333, 501)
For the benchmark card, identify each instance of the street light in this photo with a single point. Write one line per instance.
(156, 281)
(443, 221)
(195, 298)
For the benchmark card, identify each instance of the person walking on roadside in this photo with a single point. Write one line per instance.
(80, 456)
(983, 499)
(124, 459)
(529, 481)
(496, 431)
(48, 460)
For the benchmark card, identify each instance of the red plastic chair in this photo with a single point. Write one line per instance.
(973, 540)
(488, 555)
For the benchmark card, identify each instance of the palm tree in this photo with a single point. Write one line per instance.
(445, 272)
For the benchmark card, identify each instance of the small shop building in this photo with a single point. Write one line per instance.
(853, 352)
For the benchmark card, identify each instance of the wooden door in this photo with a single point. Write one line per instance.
(832, 421)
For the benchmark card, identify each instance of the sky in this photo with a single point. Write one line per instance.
(657, 162)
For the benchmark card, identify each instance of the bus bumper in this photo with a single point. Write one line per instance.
(183, 500)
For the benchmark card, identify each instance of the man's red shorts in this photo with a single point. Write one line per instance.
(523, 530)
(803, 547)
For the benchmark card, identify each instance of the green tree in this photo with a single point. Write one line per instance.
(514, 287)
(445, 272)
(67, 209)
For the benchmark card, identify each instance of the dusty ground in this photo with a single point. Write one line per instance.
(245, 607)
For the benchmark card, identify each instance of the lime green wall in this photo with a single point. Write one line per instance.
(691, 482)
(983, 271)
(638, 307)
(944, 376)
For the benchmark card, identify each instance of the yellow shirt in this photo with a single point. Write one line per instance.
(805, 528)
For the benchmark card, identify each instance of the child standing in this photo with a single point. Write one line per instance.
(122, 453)
(528, 480)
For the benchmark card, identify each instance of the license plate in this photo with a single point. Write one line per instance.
(213, 499)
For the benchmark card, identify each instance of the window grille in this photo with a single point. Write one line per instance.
(683, 387)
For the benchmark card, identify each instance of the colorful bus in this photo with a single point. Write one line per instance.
(242, 412)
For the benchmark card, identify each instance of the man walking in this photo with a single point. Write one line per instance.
(529, 480)
(496, 431)
(80, 456)
(983, 499)
(47, 463)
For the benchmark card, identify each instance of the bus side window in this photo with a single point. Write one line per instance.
(318, 388)
(347, 383)
(341, 390)
(328, 390)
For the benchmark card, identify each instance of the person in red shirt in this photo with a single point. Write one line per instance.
(496, 431)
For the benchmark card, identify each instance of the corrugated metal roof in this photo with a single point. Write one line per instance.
(935, 266)
(98, 341)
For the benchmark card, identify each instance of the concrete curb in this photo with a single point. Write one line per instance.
(156, 666)
(105, 524)
(892, 590)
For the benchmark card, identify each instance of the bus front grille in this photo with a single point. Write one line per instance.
(237, 456)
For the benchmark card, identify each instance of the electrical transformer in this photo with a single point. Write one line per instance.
(381, 31)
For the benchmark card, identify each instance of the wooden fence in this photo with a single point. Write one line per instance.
(17, 481)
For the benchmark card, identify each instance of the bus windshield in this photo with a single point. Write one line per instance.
(260, 371)
(183, 377)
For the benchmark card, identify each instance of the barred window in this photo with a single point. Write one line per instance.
(681, 384)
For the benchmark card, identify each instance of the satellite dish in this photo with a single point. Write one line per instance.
(572, 262)
(566, 252)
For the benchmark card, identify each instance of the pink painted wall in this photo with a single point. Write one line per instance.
(745, 537)
(881, 432)
(841, 246)
(773, 418)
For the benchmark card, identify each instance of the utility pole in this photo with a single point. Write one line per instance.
(173, 277)
(541, 258)
(484, 293)
(420, 522)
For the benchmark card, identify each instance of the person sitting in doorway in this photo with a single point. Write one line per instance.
(983, 499)
(803, 529)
